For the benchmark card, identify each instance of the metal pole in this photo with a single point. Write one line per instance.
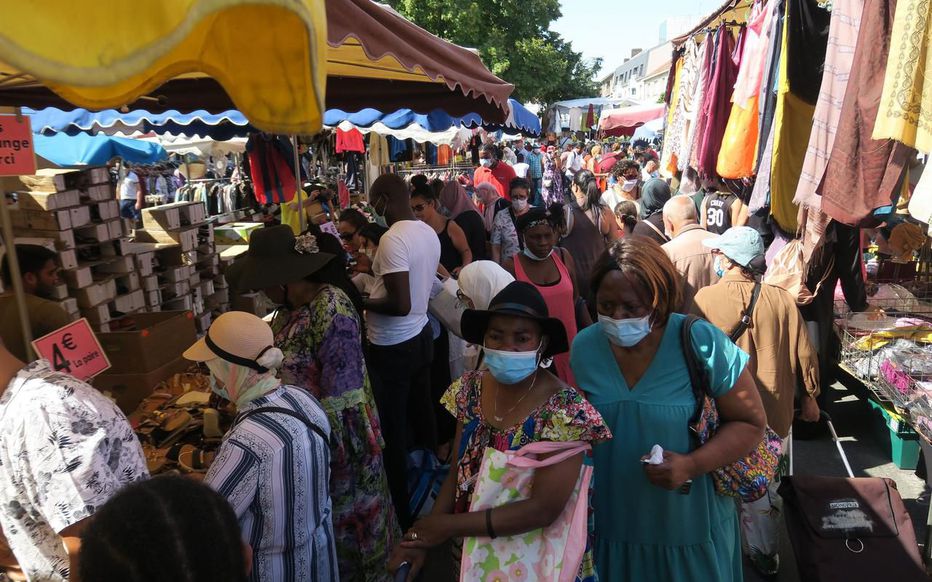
(300, 187)
(15, 275)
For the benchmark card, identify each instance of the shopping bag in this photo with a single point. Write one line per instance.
(550, 554)
(446, 306)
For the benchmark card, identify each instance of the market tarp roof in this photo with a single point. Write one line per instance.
(519, 118)
(199, 54)
(96, 150)
(219, 126)
(629, 117)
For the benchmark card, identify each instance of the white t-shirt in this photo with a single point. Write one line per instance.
(412, 246)
(129, 187)
(520, 169)
(65, 449)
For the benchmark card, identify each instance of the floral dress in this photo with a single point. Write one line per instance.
(552, 184)
(566, 416)
(323, 354)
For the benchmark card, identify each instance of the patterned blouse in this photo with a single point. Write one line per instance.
(566, 416)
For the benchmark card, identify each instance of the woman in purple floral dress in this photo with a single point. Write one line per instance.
(319, 330)
(552, 188)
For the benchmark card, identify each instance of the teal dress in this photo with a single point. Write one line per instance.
(644, 532)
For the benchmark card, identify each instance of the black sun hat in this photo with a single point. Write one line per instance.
(276, 257)
(518, 299)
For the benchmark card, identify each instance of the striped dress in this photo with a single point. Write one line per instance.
(274, 472)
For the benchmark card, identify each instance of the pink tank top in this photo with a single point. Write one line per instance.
(560, 304)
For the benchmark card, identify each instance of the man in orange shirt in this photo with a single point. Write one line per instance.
(493, 171)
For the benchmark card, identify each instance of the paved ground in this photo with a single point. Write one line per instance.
(867, 445)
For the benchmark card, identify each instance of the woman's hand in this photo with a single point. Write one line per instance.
(428, 532)
(414, 557)
(363, 264)
(675, 470)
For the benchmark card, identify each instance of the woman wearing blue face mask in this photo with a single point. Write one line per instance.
(512, 403)
(552, 271)
(633, 369)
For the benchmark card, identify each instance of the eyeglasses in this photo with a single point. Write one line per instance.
(348, 236)
(418, 207)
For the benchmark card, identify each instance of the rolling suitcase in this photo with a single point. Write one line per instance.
(851, 528)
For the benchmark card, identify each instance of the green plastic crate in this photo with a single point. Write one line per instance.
(904, 442)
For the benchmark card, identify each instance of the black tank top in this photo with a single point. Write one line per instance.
(450, 258)
(718, 211)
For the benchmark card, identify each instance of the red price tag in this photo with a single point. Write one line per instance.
(17, 150)
(73, 349)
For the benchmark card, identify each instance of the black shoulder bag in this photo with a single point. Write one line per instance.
(279, 410)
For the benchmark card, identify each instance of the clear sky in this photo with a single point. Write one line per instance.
(611, 28)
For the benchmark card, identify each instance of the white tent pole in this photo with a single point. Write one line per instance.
(15, 275)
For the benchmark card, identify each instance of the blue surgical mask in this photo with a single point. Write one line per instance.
(485, 162)
(629, 185)
(529, 254)
(625, 332)
(510, 367)
(217, 389)
(717, 265)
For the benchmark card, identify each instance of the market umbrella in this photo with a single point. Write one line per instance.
(70, 151)
(623, 121)
(437, 121)
(649, 130)
(195, 54)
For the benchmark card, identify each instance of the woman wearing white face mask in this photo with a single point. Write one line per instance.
(552, 271)
(511, 404)
(633, 368)
(626, 186)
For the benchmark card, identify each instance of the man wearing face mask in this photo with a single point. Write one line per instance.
(535, 172)
(39, 273)
(626, 174)
(493, 171)
(765, 323)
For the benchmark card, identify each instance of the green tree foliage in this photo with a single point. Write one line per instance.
(515, 42)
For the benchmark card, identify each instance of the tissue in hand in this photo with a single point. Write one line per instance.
(656, 455)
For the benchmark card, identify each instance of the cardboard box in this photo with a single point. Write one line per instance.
(98, 192)
(80, 215)
(149, 283)
(185, 237)
(251, 303)
(68, 259)
(64, 239)
(82, 276)
(236, 233)
(153, 297)
(129, 389)
(183, 303)
(48, 200)
(173, 290)
(95, 294)
(127, 282)
(41, 219)
(59, 292)
(55, 180)
(93, 233)
(176, 274)
(144, 263)
(97, 314)
(70, 305)
(173, 256)
(156, 340)
(203, 321)
(119, 264)
(106, 210)
(131, 302)
(207, 288)
(166, 217)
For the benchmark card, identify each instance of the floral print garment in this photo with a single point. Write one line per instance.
(566, 416)
(322, 344)
(65, 449)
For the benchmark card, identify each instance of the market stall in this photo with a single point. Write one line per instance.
(625, 120)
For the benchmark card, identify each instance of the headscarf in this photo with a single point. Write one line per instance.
(453, 197)
(482, 280)
(654, 194)
(488, 216)
(240, 385)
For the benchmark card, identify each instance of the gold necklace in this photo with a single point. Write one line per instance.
(510, 410)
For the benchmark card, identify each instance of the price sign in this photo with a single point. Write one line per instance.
(17, 151)
(73, 349)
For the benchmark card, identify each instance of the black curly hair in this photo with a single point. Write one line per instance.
(166, 529)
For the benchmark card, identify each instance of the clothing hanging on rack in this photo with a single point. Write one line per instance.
(271, 165)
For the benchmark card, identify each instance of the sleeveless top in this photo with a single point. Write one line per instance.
(560, 304)
(450, 258)
(718, 211)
